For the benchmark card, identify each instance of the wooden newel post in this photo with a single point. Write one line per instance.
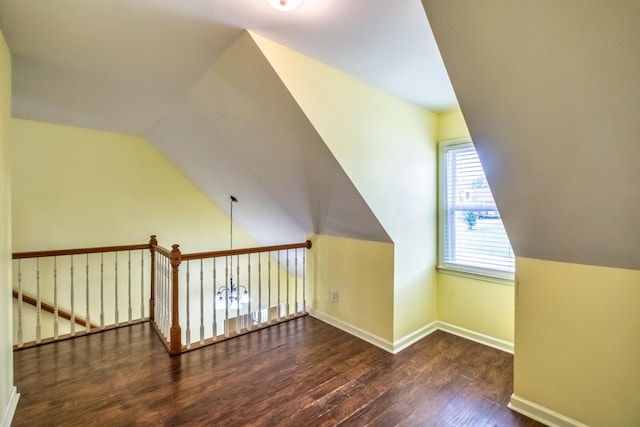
(176, 332)
(152, 294)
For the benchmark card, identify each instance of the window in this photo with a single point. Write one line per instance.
(472, 237)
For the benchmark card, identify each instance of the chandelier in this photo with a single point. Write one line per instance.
(232, 296)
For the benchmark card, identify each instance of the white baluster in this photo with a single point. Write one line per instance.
(304, 280)
(142, 300)
(38, 304)
(130, 311)
(20, 331)
(162, 293)
(87, 324)
(168, 296)
(55, 298)
(279, 285)
(159, 310)
(101, 290)
(288, 311)
(238, 323)
(117, 322)
(295, 272)
(214, 325)
(73, 310)
(226, 297)
(249, 317)
(261, 319)
(201, 303)
(158, 291)
(269, 289)
(188, 303)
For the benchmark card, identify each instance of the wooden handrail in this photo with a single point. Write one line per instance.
(61, 252)
(230, 252)
(162, 250)
(51, 309)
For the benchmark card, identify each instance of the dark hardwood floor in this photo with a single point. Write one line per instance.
(300, 373)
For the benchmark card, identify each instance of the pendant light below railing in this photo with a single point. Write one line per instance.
(232, 296)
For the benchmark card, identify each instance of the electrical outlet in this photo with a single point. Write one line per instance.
(334, 296)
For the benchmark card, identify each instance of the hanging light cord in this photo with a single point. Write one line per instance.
(233, 200)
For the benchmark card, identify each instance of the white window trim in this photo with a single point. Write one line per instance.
(491, 278)
(491, 275)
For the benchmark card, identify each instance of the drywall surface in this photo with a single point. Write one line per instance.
(75, 187)
(578, 340)
(388, 149)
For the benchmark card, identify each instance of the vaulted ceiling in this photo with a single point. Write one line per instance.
(232, 132)
(549, 91)
(186, 75)
(116, 64)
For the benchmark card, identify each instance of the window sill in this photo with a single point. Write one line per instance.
(476, 276)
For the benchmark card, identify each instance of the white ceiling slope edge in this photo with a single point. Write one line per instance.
(238, 131)
(551, 94)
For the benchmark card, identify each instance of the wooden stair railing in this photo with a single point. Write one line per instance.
(172, 286)
(98, 286)
(171, 290)
(33, 301)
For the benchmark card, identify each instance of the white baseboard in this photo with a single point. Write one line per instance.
(476, 336)
(414, 337)
(10, 410)
(406, 341)
(353, 330)
(386, 345)
(541, 414)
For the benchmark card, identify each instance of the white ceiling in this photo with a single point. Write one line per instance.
(118, 64)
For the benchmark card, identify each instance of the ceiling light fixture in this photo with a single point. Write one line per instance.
(285, 5)
(233, 296)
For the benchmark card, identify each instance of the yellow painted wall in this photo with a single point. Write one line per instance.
(478, 305)
(578, 341)
(451, 125)
(388, 149)
(481, 306)
(361, 272)
(76, 187)
(6, 352)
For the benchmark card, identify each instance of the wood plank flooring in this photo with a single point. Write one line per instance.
(299, 373)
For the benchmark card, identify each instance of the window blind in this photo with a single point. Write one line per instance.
(473, 237)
